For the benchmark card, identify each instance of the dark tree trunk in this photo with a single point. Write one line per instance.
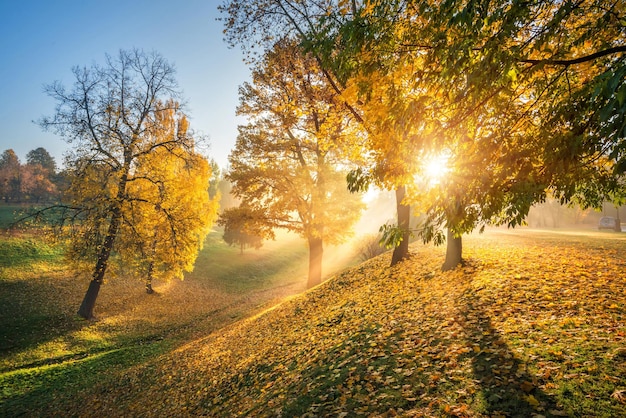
(89, 301)
(401, 252)
(454, 252)
(316, 251)
(149, 289)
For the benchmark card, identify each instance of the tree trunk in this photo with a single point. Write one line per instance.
(149, 289)
(401, 252)
(316, 251)
(89, 301)
(454, 252)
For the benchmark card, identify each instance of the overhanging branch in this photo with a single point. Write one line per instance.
(579, 60)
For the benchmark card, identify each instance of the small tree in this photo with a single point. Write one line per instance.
(131, 142)
(38, 176)
(10, 176)
(370, 246)
(36, 183)
(239, 224)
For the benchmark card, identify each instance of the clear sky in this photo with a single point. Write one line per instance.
(41, 40)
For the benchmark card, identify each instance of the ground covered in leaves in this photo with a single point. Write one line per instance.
(534, 324)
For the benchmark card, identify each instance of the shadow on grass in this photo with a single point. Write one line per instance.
(47, 390)
(29, 316)
(506, 388)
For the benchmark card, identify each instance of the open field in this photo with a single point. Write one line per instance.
(12, 212)
(533, 324)
(8, 215)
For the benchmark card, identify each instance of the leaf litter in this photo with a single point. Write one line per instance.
(529, 326)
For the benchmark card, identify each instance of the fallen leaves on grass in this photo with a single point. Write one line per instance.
(526, 328)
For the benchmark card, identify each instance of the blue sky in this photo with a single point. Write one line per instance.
(40, 42)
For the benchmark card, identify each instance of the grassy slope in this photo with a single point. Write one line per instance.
(533, 324)
(12, 212)
(48, 354)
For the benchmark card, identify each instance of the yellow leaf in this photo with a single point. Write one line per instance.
(532, 401)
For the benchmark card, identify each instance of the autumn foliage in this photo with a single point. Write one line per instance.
(289, 162)
(531, 326)
(527, 99)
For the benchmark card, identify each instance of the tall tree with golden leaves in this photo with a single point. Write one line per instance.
(288, 165)
(132, 150)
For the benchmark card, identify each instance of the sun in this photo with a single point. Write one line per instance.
(436, 168)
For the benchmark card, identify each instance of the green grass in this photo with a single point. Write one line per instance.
(24, 251)
(35, 388)
(12, 212)
(48, 355)
(534, 324)
(276, 263)
(8, 214)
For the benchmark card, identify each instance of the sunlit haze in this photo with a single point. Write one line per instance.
(371, 195)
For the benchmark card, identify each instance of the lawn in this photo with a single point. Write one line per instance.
(8, 214)
(46, 348)
(532, 325)
(12, 212)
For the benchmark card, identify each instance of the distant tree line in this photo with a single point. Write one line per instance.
(36, 181)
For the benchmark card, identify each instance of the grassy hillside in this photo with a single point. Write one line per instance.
(48, 353)
(12, 212)
(532, 325)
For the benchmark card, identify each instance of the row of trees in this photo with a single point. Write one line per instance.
(525, 100)
(36, 181)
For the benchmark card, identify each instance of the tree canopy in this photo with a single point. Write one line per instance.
(239, 228)
(524, 99)
(42, 157)
(287, 163)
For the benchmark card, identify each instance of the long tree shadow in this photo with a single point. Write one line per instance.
(505, 386)
(29, 317)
